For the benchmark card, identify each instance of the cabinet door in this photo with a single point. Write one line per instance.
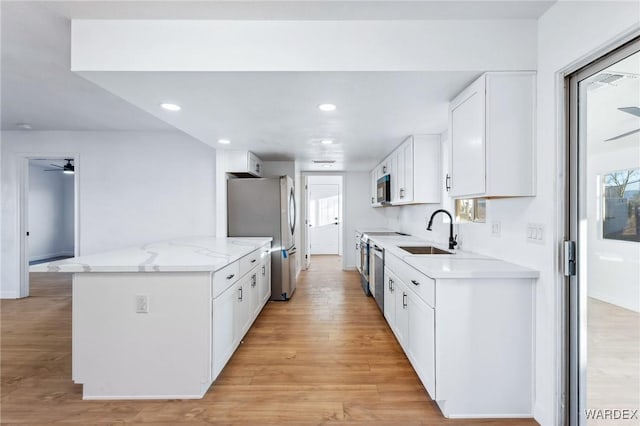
(357, 252)
(421, 339)
(242, 308)
(254, 165)
(223, 329)
(265, 278)
(402, 313)
(254, 293)
(390, 297)
(374, 186)
(406, 187)
(468, 141)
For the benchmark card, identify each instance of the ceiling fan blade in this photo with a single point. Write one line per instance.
(55, 165)
(52, 170)
(631, 110)
(622, 135)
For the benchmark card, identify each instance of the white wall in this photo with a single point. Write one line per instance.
(134, 187)
(358, 212)
(49, 232)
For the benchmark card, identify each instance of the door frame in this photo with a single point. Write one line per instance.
(573, 296)
(23, 209)
(306, 256)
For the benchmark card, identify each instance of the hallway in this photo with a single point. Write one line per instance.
(327, 355)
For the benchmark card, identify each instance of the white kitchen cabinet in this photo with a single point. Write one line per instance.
(358, 257)
(491, 130)
(401, 327)
(416, 160)
(237, 306)
(390, 281)
(421, 341)
(415, 170)
(479, 332)
(223, 329)
(265, 276)
(243, 164)
(374, 187)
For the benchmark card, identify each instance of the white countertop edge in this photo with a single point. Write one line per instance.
(459, 268)
(214, 252)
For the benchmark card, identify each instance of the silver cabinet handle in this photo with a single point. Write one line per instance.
(253, 260)
(404, 300)
(240, 296)
(264, 270)
(447, 182)
(230, 276)
(401, 192)
(384, 169)
(414, 282)
(254, 280)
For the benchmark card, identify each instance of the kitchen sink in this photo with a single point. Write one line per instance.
(425, 250)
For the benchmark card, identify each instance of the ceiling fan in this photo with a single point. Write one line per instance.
(67, 169)
(629, 110)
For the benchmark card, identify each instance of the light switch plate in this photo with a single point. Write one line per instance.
(535, 233)
(142, 304)
(496, 229)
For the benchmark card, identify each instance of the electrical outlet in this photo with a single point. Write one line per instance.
(496, 228)
(142, 304)
(535, 233)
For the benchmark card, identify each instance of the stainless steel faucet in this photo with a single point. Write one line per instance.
(452, 240)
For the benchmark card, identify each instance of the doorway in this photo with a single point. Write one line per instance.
(323, 219)
(48, 213)
(603, 224)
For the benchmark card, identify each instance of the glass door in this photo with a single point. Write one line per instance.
(603, 220)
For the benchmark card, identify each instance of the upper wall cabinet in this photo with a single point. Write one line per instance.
(414, 171)
(244, 164)
(491, 125)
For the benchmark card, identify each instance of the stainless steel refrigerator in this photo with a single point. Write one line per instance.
(266, 207)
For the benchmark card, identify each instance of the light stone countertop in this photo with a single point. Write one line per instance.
(192, 254)
(461, 264)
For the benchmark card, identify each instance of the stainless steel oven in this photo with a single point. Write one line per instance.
(366, 261)
(377, 275)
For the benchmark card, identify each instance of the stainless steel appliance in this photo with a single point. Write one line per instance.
(377, 278)
(365, 259)
(384, 189)
(266, 207)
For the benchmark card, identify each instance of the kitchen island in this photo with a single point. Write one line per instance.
(466, 323)
(162, 320)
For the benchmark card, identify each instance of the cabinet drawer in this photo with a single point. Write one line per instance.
(416, 281)
(250, 261)
(225, 277)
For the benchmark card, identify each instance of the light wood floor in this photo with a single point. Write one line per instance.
(325, 356)
(613, 359)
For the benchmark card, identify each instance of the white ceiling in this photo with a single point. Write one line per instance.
(39, 89)
(272, 114)
(275, 114)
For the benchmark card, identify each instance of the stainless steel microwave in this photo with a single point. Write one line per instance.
(384, 190)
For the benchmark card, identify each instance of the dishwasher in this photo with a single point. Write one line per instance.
(378, 276)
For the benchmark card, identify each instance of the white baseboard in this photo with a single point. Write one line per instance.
(9, 295)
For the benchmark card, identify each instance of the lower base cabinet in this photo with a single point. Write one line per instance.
(473, 348)
(236, 308)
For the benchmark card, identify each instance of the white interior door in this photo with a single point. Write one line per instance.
(324, 218)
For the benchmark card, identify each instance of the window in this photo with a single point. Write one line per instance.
(471, 210)
(621, 205)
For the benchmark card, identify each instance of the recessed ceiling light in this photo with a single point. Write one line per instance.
(224, 141)
(170, 107)
(326, 141)
(24, 126)
(326, 107)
